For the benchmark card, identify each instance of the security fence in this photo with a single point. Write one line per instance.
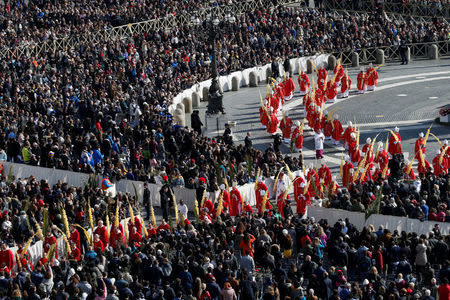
(392, 53)
(422, 9)
(125, 31)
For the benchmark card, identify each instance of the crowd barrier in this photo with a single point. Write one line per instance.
(21, 171)
(389, 222)
(225, 82)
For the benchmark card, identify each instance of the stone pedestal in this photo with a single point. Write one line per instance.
(187, 105)
(195, 100)
(235, 84)
(379, 57)
(433, 52)
(331, 62)
(205, 93)
(309, 66)
(355, 60)
(253, 79)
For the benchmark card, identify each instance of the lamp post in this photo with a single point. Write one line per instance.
(215, 105)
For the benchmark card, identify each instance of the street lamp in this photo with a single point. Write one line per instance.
(212, 23)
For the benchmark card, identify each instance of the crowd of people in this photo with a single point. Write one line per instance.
(250, 256)
(104, 109)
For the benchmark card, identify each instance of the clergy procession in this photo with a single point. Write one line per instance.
(360, 162)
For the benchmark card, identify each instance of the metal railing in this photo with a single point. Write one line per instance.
(33, 50)
(392, 53)
(412, 9)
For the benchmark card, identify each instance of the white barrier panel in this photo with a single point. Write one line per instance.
(333, 215)
(243, 77)
(389, 222)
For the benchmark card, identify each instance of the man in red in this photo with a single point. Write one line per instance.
(321, 76)
(325, 174)
(420, 145)
(339, 70)
(136, 223)
(346, 84)
(395, 142)
(225, 196)
(274, 102)
(327, 126)
(260, 192)
(445, 148)
(314, 182)
(49, 240)
(163, 227)
(439, 167)
(303, 82)
(75, 236)
(285, 126)
(347, 173)
(25, 258)
(117, 238)
(135, 237)
(99, 246)
(331, 91)
(75, 252)
(372, 78)
(248, 210)
(365, 149)
(337, 131)
(410, 174)
(297, 186)
(302, 198)
(264, 115)
(6, 257)
(348, 131)
(273, 122)
(236, 201)
(382, 158)
(289, 88)
(444, 289)
(353, 149)
(423, 166)
(361, 82)
(102, 232)
(281, 201)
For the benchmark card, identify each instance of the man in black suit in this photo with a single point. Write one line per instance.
(196, 123)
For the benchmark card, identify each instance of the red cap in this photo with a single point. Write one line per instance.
(166, 178)
(201, 179)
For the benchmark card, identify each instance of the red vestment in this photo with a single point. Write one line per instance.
(395, 145)
(285, 126)
(273, 124)
(236, 202)
(372, 76)
(102, 233)
(303, 82)
(420, 144)
(346, 83)
(361, 81)
(346, 174)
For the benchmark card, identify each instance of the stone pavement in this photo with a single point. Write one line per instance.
(407, 96)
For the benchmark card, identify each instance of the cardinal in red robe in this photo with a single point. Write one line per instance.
(395, 143)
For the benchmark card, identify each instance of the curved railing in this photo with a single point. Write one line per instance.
(392, 53)
(126, 31)
(413, 9)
